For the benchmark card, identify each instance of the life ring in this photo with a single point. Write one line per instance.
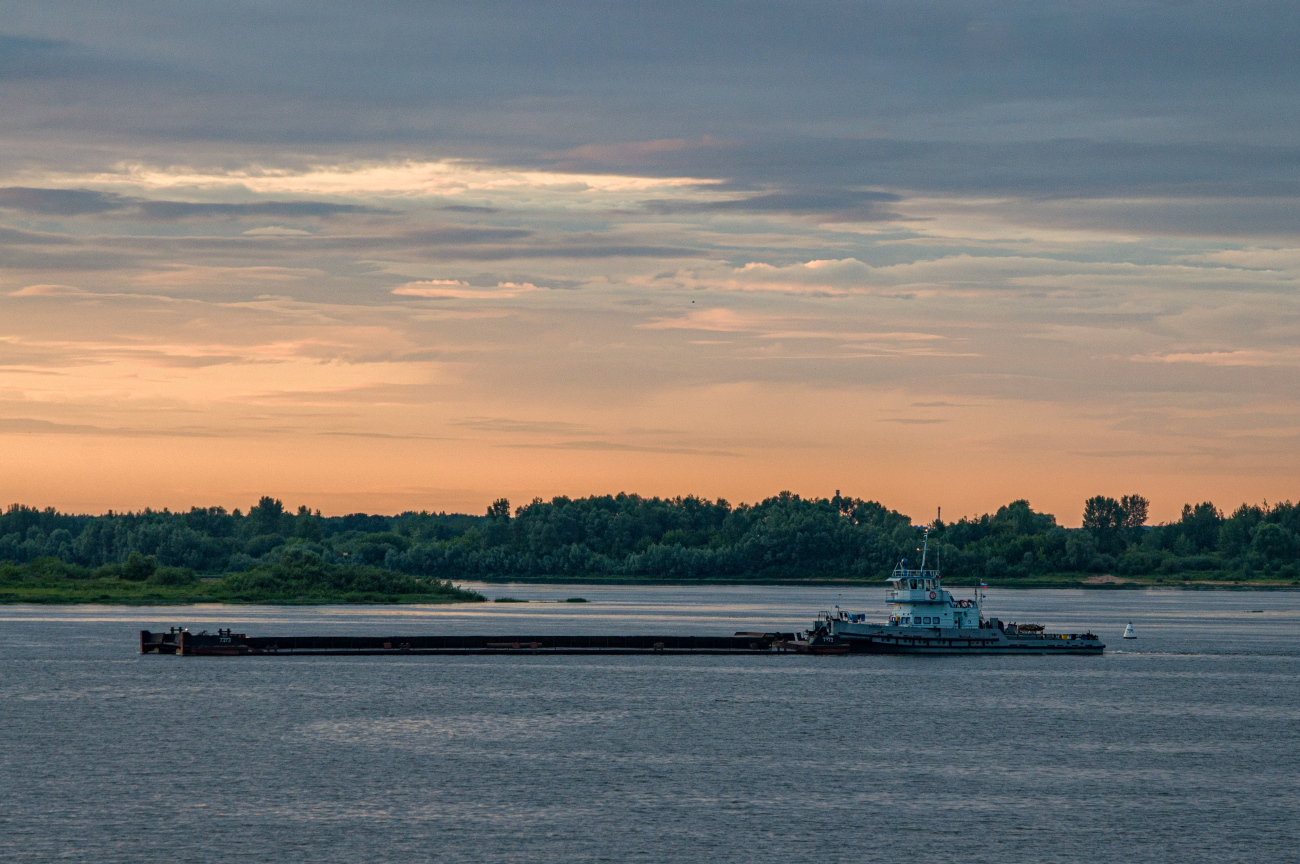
(963, 603)
(933, 595)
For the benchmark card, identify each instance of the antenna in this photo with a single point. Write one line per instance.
(925, 549)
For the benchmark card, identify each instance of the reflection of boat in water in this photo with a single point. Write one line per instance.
(1128, 631)
(926, 619)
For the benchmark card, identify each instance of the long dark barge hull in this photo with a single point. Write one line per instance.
(226, 643)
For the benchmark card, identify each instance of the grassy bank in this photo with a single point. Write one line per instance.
(293, 579)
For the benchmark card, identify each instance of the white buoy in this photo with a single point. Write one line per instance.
(1128, 631)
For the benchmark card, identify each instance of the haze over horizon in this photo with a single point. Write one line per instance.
(419, 257)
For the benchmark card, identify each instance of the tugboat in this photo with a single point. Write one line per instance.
(926, 619)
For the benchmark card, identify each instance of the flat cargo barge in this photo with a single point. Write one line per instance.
(179, 640)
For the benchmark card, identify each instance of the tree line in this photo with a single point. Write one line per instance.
(785, 537)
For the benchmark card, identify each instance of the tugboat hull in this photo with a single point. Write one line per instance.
(968, 642)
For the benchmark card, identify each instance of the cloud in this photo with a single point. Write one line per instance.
(452, 289)
(816, 276)
(1254, 257)
(33, 426)
(276, 231)
(971, 96)
(79, 202)
(1239, 357)
(17, 237)
(579, 251)
(530, 427)
(59, 202)
(170, 210)
(846, 205)
(466, 234)
(618, 447)
(25, 59)
(388, 436)
(718, 319)
(1216, 213)
(396, 178)
(631, 152)
(48, 291)
(892, 336)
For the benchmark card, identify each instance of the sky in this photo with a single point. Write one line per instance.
(419, 256)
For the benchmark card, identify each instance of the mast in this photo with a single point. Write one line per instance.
(925, 548)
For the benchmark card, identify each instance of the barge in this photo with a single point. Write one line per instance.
(179, 640)
(924, 619)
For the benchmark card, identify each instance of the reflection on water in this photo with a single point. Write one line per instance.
(1180, 744)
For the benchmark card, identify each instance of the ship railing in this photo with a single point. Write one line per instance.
(901, 572)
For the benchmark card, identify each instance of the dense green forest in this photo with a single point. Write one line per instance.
(272, 554)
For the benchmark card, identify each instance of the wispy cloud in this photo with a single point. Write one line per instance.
(717, 319)
(514, 426)
(453, 289)
(620, 447)
(1239, 357)
(47, 291)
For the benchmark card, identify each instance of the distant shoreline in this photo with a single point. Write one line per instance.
(271, 554)
(1119, 585)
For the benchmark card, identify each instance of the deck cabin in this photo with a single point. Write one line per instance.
(917, 598)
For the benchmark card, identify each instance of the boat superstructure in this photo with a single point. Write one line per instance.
(925, 618)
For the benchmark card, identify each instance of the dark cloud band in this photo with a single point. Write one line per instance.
(83, 202)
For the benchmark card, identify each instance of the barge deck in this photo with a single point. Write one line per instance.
(179, 640)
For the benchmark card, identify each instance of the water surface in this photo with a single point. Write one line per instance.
(1179, 746)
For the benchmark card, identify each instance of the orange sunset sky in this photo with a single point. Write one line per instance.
(410, 269)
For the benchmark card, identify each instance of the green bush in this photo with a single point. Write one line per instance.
(139, 567)
(173, 576)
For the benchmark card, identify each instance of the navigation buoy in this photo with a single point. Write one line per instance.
(1128, 631)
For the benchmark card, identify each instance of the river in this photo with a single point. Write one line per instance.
(1182, 745)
